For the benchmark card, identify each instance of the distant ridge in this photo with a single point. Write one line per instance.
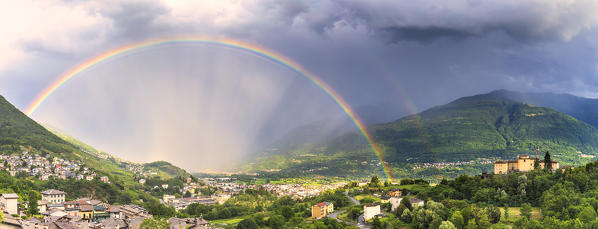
(499, 124)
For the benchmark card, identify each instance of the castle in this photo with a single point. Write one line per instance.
(523, 163)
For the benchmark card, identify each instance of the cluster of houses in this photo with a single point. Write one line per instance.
(442, 165)
(394, 197)
(85, 213)
(298, 191)
(46, 167)
(182, 203)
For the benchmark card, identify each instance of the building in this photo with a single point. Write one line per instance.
(53, 196)
(395, 192)
(329, 207)
(318, 210)
(42, 206)
(370, 211)
(86, 211)
(394, 203)
(524, 163)
(9, 202)
(416, 202)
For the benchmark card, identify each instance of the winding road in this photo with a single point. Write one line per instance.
(360, 220)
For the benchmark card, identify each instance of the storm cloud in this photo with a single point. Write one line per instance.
(386, 58)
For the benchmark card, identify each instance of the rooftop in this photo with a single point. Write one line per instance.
(53, 192)
(10, 196)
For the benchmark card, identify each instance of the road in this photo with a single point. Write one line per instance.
(360, 220)
(356, 202)
(335, 215)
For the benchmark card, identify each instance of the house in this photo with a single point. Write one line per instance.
(132, 211)
(415, 202)
(9, 202)
(100, 212)
(168, 199)
(53, 196)
(164, 186)
(329, 207)
(55, 212)
(395, 192)
(142, 181)
(55, 205)
(370, 211)
(524, 163)
(72, 208)
(394, 203)
(114, 212)
(105, 179)
(86, 211)
(318, 210)
(42, 206)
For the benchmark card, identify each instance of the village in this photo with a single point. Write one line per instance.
(82, 213)
(43, 168)
(58, 212)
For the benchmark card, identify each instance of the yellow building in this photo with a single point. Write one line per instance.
(322, 209)
(329, 207)
(523, 163)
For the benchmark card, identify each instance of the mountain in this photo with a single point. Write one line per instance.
(488, 125)
(18, 132)
(584, 109)
(470, 131)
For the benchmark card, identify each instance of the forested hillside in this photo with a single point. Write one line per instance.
(472, 130)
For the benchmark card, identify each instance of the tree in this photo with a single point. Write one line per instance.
(2, 219)
(521, 185)
(587, 215)
(493, 214)
(32, 208)
(376, 224)
(447, 225)
(354, 213)
(375, 182)
(506, 211)
(526, 210)
(457, 219)
(547, 161)
(276, 221)
(406, 216)
(247, 224)
(405, 201)
(287, 212)
(151, 223)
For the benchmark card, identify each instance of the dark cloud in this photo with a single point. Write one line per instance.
(386, 58)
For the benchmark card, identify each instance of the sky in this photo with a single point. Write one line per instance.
(200, 106)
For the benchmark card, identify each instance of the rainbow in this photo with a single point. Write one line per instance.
(228, 43)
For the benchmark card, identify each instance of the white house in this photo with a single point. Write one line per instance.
(370, 211)
(53, 196)
(394, 203)
(9, 202)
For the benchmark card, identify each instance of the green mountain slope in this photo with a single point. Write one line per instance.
(18, 132)
(476, 130)
(485, 125)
